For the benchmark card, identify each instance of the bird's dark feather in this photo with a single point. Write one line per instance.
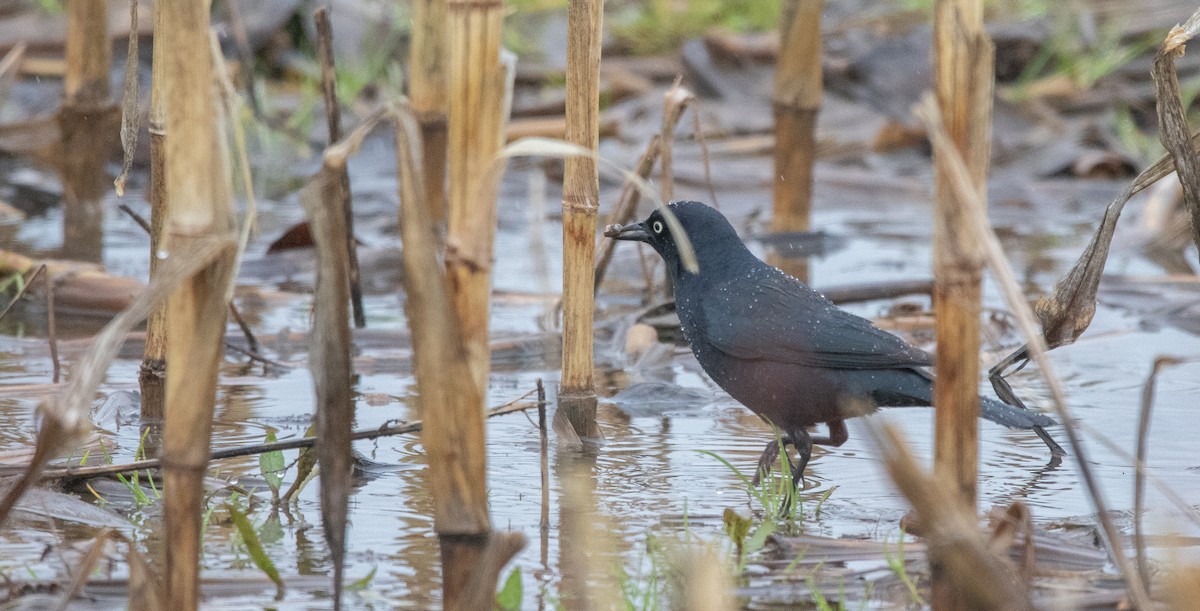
(768, 315)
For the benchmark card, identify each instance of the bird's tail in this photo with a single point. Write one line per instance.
(915, 387)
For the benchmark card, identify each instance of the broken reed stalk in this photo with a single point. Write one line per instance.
(626, 206)
(975, 220)
(581, 200)
(153, 371)
(324, 200)
(89, 123)
(963, 69)
(1066, 313)
(200, 209)
(1172, 121)
(982, 579)
(449, 397)
(796, 99)
(477, 107)
(333, 116)
(427, 92)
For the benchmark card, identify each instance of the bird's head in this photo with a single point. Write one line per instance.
(712, 238)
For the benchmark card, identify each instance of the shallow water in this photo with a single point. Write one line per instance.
(651, 475)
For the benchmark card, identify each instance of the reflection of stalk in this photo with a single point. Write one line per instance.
(427, 89)
(89, 123)
(963, 77)
(200, 212)
(154, 359)
(581, 194)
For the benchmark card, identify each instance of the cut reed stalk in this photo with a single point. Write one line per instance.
(90, 124)
(449, 398)
(581, 200)
(476, 129)
(200, 209)
(796, 100)
(964, 92)
(152, 374)
(427, 90)
(963, 69)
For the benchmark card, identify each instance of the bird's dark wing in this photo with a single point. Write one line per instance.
(769, 315)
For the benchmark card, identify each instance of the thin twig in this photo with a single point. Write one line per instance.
(21, 293)
(544, 523)
(387, 430)
(245, 54)
(698, 132)
(137, 218)
(51, 333)
(256, 356)
(251, 341)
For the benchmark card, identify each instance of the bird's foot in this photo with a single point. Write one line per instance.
(766, 461)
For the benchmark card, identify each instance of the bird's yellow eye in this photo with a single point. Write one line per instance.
(658, 227)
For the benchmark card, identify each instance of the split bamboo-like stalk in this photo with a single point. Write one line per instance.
(450, 401)
(963, 69)
(89, 124)
(427, 91)
(200, 209)
(581, 200)
(797, 100)
(476, 130)
(152, 374)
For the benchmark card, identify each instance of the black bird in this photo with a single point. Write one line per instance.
(784, 350)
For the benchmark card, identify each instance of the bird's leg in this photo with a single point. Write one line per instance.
(766, 461)
(804, 444)
(837, 434)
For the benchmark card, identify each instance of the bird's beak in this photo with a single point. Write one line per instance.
(633, 232)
